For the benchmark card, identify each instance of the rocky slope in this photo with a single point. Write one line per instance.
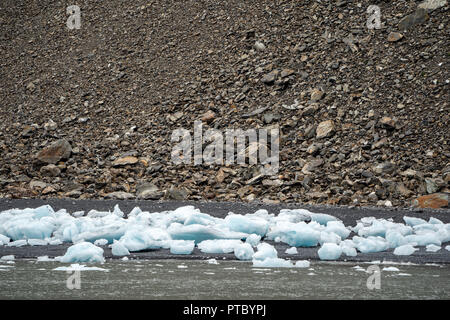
(363, 114)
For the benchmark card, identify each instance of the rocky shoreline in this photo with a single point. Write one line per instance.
(362, 114)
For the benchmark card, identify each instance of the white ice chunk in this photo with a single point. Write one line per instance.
(4, 239)
(348, 248)
(118, 249)
(18, 243)
(101, 242)
(212, 261)
(198, 232)
(411, 221)
(246, 224)
(244, 251)
(322, 218)
(433, 248)
(291, 250)
(405, 250)
(433, 220)
(44, 259)
(295, 234)
(54, 242)
(37, 242)
(302, 264)
(253, 239)
(78, 267)
(338, 228)
(142, 238)
(330, 237)
(118, 212)
(78, 214)
(218, 245)
(265, 250)
(390, 269)
(7, 258)
(294, 215)
(272, 263)
(370, 244)
(447, 248)
(424, 239)
(83, 252)
(395, 238)
(182, 246)
(377, 229)
(329, 251)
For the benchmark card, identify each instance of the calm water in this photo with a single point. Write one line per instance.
(175, 279)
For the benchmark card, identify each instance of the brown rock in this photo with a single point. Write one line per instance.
(208, 116)
(57, 151)
(394, 36)
(325, 129)
(124, 161)
(434, 201)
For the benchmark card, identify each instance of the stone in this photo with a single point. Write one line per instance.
(434, 201)
(124, 161)
(312, 166)
(270, 77)
(286, 73)
(316, 95)
(120, 195)
(57, 151)
(325, 129)
(148, 191)
(432, 4)
(385, 167)
(411, 20)
(394, 36)
(177, 193)
(50, 171)
(388, 122)
(50, 125)
(259, 46)
(208, 116)
(37, 185)
(431, 186)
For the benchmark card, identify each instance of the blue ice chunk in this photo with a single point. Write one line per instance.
(43, 211)
(200, 218)
(83, 252)
(140, 238)
(265, 251)
(182, 246)
(411, 221)
(118, 212)
(272, 263)
(3, 239)
(405, 250)
(329, 237)
(433, 220)
(243, 251)
(348, 248)
(322, 218)
(370, 244)
(424, 239)
(329, 251)
(118, 249)
(26, 228)
(246, 224)
(395, 238)
(218, 245)
(295, 234)
(253, 239)
(199, 233)
(338, 228)
(377, 229)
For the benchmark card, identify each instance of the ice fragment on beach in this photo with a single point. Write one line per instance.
(253, 239)
(329, 251)
(118, 249)
(291, 250)
(7, 258)
(79, 267)
(405, 250)
(433, 248)
(218, 245)
(244, 251)
(83, 252)
(182, 246)
(265, 251)
(101, 242)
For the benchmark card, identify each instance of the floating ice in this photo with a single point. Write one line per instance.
(118, 249)
(83, 252)
(329, 251)
(212, 261)
(244, 251)
(447, 248)
(291, 250)
(265, 251)
(253, 239)
(390, 269)
(302, 264)
(44, 259)
(218, 245)
(272, 263)
(433, 248)
(295, 234)
(404, 250)
(79, 267)
(182, 246)
(7, 258)
(37, 242)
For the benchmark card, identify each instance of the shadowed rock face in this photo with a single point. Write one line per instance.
(57, 151)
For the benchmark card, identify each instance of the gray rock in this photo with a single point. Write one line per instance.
(50, 171)
(57, 151)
